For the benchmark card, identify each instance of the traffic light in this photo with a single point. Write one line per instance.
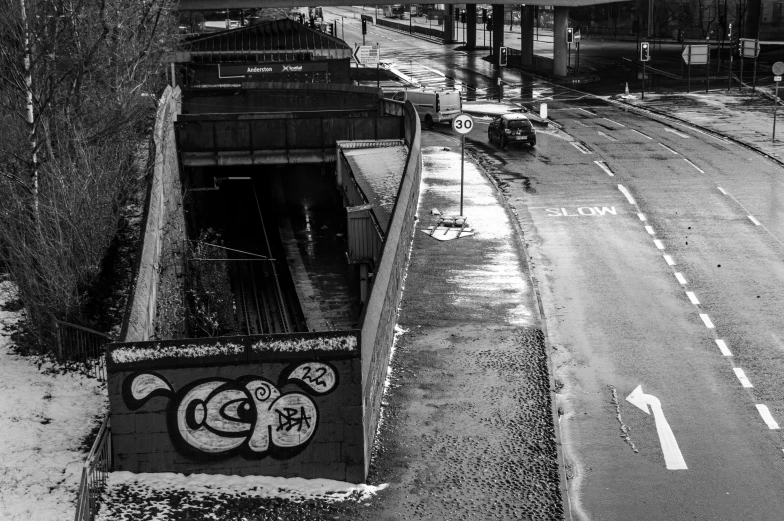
(364, 26)
(645, 52)
(569, 35)
(457, 13)
(729, 31)
(463, 16)
(503, 56)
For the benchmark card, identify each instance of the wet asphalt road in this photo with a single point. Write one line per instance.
(631, 284)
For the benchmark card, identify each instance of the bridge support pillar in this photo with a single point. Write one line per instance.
(470, 26)
(449, 23)
(560, 47)
(527, 35)
(498, 31)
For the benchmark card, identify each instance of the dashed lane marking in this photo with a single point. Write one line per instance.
(681, 278)
(722, 190)
(744, 381)
(579, 146)
(693, 298)
(754, 220)
(723, 347)
(750, 216)
(611, 121)
(650, 231)
(706, 319)
(668, 148)
(695, 166)
(767, 417)
(703, 133)
(658, 244)
(626, 193)
(641, 216)
(607, 136)
(603, 166)
(646, 136)
(667, 258)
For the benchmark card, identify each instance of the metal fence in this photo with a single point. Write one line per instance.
(94, 474)
(412, 29)
(82, 347)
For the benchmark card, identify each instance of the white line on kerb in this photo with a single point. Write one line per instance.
(744, 381)
(640, 133)
(649, 229)
(667, 258)
(723, 347)
(695, 166)
(641, 216)
(754, 220)
(625, 192)
(658, 244)
(721, 190)
(693, 298)
(611, 121)
(680, 277)
(668, 148)
(767, 417)
(706, 319)
(603, 166)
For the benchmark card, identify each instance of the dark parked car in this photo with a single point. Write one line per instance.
(512, 128)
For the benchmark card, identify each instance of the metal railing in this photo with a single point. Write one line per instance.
(94, 473)
(82, 347)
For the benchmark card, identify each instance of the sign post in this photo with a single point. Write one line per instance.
(577, 38)
(749, 48)
(645, 56)
(778, 70)
(462, 124)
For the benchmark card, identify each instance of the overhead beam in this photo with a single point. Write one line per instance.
(216, 5)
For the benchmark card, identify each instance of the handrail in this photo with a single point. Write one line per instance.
(94, 473)
(82, 345)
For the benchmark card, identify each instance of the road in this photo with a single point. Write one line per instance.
(657, 249)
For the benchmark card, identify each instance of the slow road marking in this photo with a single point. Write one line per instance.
(673, 459)
(584, 211)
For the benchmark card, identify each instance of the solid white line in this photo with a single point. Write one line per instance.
(706, 319)
(695, 166)
(625, 192)
(742, 377)
(672, 130)
(680, 278)
(721, 190)
(701, 132)
(587, 112)
(649, 229)
(603, 166)
(658, 244)
(641, 216)
(667, 258)
(767, 417)
(640, 133)
(754, 220)
(668, 148)
(619, 124)
(693, 298)
(723, 347)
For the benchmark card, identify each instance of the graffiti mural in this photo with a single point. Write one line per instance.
(219, 416)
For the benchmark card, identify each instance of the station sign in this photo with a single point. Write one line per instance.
(369, 55)
(695, 55)
(263, 69)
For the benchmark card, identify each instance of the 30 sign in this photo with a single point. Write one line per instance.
(463, 124)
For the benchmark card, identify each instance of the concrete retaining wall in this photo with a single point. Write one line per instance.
(239, 406)
(163, 231)
(380, 313)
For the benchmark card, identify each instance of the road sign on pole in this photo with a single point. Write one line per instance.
(749, 48)
(462, 124)
(778, 70)
(695, 55)
(368, 55)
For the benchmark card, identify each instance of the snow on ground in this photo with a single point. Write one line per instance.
(45, 418)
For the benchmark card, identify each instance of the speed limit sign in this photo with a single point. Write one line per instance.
(463, 124)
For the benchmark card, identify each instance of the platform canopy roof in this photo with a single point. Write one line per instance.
(276, 40)
(216, 5)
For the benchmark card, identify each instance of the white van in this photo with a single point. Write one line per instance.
(433, 106)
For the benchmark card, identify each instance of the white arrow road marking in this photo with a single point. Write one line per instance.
(608, 137)
(673, 459)
(668, 129)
